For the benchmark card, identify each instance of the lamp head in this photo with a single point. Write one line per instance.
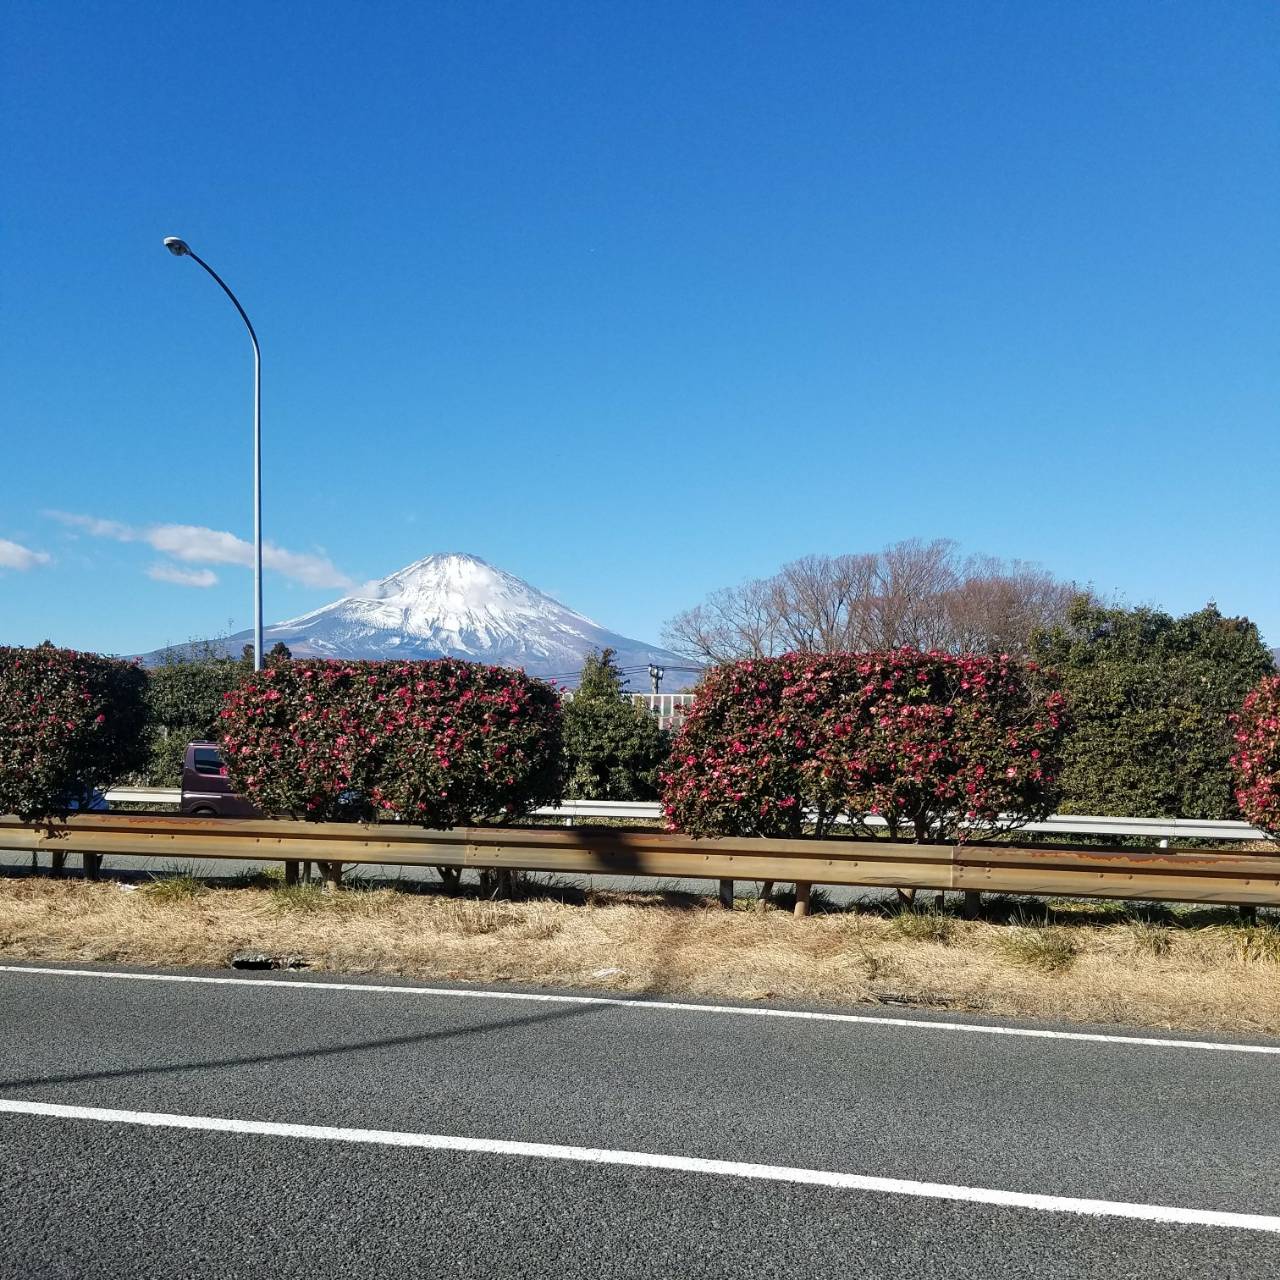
(176, 247)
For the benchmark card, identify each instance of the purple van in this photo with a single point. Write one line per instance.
(206, 789)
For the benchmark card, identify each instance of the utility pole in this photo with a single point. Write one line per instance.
(655, 675)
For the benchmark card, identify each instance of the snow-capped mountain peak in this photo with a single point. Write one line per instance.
(457, 605)
(456, 589)
(450, 603)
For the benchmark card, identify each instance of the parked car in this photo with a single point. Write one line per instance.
(206, 789)
(94, 801)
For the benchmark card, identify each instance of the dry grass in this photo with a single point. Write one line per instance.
(1092, 964)
(1040, 946)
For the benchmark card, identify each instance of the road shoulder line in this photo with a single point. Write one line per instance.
(653, 1161)
(748, 1011)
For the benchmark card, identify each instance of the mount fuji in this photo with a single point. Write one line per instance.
(455, 606)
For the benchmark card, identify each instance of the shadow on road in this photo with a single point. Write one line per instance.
(300, 1055)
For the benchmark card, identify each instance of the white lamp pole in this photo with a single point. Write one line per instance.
(180, 249)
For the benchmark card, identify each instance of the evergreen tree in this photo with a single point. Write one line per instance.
(1151, 698)
(613, 747)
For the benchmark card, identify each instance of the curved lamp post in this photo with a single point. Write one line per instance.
(180, 249)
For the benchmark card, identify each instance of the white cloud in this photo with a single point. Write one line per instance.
(94, 527)
(195, 544)
(183, 577)
(13, 555)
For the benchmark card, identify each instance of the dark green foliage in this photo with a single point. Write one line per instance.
(277, 653)
(613, 748)
(184, 699)
(70, 724)
(1151, 699)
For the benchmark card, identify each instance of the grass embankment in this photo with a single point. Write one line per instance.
(1089, 962)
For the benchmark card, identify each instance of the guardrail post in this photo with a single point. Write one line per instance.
(972, 903)
(1248, 913)
(766, 891)
(803, 892)
(291, 872)
(92, 863)
(57, 861)
(332, 872)
(726, 894)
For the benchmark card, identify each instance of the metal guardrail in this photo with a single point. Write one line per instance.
(1061, 823)
(1153, 828)
(1178, 876)
(646, 810)
(144, 795)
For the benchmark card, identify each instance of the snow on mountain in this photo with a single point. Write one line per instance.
(457, 606)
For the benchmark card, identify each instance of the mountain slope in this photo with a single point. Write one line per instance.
(457, 606)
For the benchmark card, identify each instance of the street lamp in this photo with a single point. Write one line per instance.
(180, 249)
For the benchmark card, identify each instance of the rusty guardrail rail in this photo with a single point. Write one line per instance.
(1243, 879)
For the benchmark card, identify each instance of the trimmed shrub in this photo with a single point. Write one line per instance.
(70, 724)
(926, 741)
(184, 704)
(930, 741)
(439, 743)
(613, 748)
(742, 763)
(1256, 762)
(1151, 703)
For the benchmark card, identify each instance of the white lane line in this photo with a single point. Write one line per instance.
(747, 1011)
(650, 1160)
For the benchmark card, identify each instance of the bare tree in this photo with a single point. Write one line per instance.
(998, 604)
(734, 622)
(913, 593)
(914, 579)
(820, 601)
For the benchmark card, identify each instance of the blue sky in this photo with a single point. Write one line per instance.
(633, 300)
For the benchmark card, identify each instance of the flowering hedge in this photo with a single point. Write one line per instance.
(742, 762)
(70, 724)
(1256, 762)
(440, 743)
(926, 741)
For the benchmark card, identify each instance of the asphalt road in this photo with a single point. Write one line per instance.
(134, 1196)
